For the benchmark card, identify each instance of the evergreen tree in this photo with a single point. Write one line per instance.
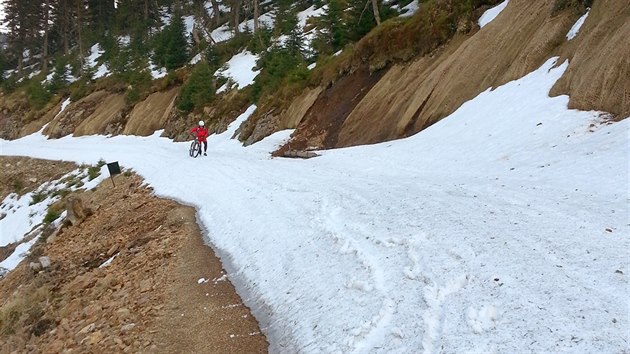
(24, 24)
(198, 90)
(171, 48)
(334, 32)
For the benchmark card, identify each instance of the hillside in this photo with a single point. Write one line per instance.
(463, 186)
(125, 278)
(463, 237)
(340, 100)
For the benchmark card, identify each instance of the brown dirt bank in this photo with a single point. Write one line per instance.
(323, 121)
(598, 76)
(134, 304)
(411, 96)
(22, 175)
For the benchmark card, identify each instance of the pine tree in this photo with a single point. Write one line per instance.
(333, 33)
(24, 24)
(171, 48)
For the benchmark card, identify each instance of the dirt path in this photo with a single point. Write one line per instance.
(203, 313)
(121, 280)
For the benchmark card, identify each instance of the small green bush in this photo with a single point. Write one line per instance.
(93, 172)
(61, 192)
(51, 216)
(17, 185)
(37, 94)
(37, 198)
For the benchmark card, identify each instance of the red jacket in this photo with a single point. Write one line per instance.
(201, 132)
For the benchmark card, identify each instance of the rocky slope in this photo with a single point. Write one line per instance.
(411, 96)
(131, 275)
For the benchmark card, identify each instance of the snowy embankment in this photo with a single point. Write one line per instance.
(22, 217)
(502, 228)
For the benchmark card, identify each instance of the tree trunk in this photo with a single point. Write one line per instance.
(217, 12)
(79, 30)
(45, 45)
(377, 15)
(65, 20)
(256, 14)
(236, 11)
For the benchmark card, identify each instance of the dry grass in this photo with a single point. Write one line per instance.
(27, 312)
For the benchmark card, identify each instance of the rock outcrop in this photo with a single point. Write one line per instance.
(151, 114)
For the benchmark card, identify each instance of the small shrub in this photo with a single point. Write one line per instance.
(61, 192)
(93, 172)
(25, 311)
(78, 91)
(37, 198)
(127, 173)
(37, 94)
(51, 216)
(17, 185)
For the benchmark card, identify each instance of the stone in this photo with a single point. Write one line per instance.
(113, 250)
(87, 329)
(35, 266)
(32, 180)
(56, 346)
(145, 285)
(123, 313)
(128, 327)
(91, 310)
(95, 338)
(76, 213)
(44, 261)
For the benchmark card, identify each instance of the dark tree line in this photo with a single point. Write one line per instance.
(41, 31)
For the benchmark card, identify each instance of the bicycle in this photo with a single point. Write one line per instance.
(195, 148)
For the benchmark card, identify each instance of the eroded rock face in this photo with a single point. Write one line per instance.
(412, 96)
(272, 121)
(76, 114)
(151, 114)
(598, 76)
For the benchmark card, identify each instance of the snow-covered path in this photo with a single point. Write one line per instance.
(503, 228)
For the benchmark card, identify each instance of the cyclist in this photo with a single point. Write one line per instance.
(201, 132)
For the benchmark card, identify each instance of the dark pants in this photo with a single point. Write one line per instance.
(205, 146)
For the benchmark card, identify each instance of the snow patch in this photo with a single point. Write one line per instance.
(578, 24)
(492, 13)
(240, 69)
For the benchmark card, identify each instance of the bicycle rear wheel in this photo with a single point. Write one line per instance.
(195, 149)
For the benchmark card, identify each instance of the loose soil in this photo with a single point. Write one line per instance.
(146, 300)
(322, 123)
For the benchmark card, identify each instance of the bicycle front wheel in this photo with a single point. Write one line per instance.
(195, 149)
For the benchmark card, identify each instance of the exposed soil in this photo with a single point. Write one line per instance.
(598, 76)
(412, 96)
(134, 304)
(264, 123)
(109, 112)
(322, 123)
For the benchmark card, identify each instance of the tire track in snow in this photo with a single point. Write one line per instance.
(364, 336)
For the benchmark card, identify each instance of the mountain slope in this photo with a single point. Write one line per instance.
(464, 237)
(414, 95)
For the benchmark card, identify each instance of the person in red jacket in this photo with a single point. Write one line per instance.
(201, 132)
